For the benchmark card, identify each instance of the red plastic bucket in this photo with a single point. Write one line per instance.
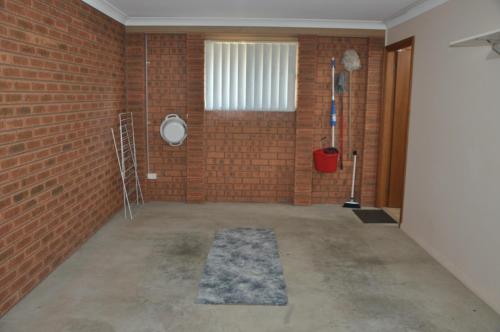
(325, 160)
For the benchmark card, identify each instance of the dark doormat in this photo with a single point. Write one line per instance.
(372, 216)
(243, 267)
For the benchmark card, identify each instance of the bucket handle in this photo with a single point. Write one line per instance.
(322, 141)
(171, 116)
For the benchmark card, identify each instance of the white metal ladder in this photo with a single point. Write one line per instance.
(127, 162)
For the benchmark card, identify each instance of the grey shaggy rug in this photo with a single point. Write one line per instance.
(243, 267)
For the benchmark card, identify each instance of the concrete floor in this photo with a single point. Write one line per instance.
(142, 275)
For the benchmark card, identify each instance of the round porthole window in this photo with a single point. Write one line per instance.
(173, 130)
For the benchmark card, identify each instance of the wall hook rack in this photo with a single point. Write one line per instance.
(491, 38)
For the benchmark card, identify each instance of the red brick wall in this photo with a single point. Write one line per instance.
(238, 156)
(195, 176)
(167, 86)
(372, 118)
(61, 88)
(366, 92)
(308, 52)
(272, 133)
(335, 187)
(134, 85)
(249, 156)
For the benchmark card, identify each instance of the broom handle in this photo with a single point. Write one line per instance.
(333, 115)
(355, 155)
(349, 128)
(333, 137)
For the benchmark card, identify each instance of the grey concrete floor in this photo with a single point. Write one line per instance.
(142, 275)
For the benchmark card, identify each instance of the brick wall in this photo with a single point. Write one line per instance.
(167, 85)
(308, 52)
(335, 187)
(61, 88)
(372, 119)
(366, 92)
(62, 83)
(134, 85)
(255, 156)
(249, 156)
(195, 163)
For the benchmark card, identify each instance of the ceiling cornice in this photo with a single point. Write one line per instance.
(106, 8)
(254, 22)
(405, 15)
(412, 11)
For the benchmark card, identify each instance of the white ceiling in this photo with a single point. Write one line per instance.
(371, 14)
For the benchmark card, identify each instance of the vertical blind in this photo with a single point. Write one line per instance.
(256, 76)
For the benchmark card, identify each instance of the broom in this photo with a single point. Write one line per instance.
(351, 203)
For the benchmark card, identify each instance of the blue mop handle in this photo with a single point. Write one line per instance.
(333, 113)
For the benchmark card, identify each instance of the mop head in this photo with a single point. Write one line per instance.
(330, 150)
(351, 60)
(341, 82)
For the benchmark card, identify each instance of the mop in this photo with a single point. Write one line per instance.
(351, 62)
(340, 87)
(333, 113)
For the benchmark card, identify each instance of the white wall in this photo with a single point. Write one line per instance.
(452, 197)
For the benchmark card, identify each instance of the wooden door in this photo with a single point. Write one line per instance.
(400, 127)
(394, 124)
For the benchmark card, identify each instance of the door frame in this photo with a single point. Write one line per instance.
(387, 112)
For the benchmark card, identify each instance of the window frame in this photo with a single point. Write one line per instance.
(256, 40)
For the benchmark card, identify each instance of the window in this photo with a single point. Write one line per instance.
(254, 76)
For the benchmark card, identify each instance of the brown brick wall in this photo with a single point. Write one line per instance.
(306, 105)
(195, 163)
(313, 119)
(167, 86)
(62, 83)
(249, 156)
(238, 156)
(167, 82)
(134, 85)
(61, 88)
(372, 118)
(335, 187)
